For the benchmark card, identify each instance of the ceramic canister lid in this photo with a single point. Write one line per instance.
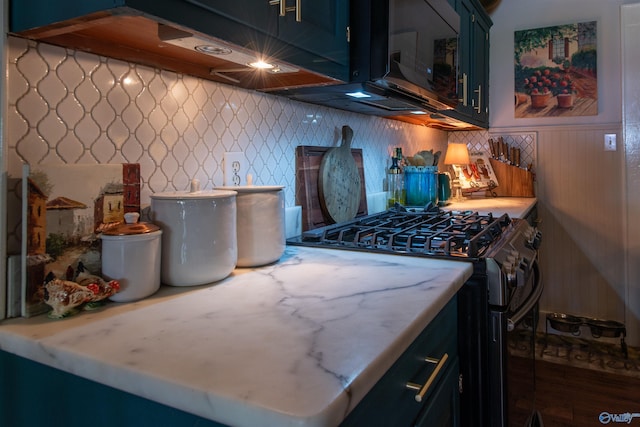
(184, 195)
(194, 194)
(250, 188)
(131, 226)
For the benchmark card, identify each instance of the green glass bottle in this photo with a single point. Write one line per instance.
(395, 180)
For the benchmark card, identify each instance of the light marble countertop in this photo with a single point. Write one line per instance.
(299, 342)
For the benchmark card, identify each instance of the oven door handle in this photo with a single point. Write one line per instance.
(531, 302)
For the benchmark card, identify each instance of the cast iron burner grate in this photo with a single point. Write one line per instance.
(416, 232)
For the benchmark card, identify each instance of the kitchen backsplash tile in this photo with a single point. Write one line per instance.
(74, 107)
(67, 106)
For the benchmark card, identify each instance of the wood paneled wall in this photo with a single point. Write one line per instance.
(631, 118)
(581, 193)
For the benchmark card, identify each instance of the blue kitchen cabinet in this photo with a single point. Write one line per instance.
(432, 356)
(473, 66)
(37, 395)
(318, 28)
(323, 30)
(317, 42)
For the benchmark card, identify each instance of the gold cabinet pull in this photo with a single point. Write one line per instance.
(463, 80)
(422, 390)
(284, 9)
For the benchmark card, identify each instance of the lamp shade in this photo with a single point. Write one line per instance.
(457, 154)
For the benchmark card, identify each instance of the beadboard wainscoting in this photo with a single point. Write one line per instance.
(581, 206)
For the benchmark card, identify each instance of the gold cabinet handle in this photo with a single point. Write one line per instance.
(284, 9)
(422, 390)
(479, 92)
(463, 80)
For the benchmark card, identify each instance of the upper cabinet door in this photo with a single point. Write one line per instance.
(321, 28)
(252, 14)
(473, 72)
(480, 80)
(465, 57)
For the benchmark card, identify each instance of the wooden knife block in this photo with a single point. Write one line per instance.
(512, 181)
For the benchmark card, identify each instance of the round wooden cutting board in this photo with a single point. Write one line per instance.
(339, 181)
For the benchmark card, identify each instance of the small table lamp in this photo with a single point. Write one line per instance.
(457, 154)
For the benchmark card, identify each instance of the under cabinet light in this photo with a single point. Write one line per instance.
(261, 65)
(213, 50)
(222, 50)
(358, 95)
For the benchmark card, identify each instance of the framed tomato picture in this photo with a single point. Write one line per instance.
(556, 71)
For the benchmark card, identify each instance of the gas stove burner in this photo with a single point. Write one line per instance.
(427, 231)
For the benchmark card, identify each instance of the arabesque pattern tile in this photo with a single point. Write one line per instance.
(67, 106)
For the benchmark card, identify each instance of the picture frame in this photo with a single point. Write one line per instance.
(65, 208)
(478, 175)
(556, 71)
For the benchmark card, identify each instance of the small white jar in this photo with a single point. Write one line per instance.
(131, 255)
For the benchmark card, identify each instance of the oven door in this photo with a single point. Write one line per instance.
(512, 358)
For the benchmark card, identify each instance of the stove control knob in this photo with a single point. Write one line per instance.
(534, 240)
(528, 233)
(537, 240)
(512, 279)
(510, 274)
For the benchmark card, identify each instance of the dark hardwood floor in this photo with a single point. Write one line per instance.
(574, 396)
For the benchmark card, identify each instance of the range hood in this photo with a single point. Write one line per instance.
(380, 99)
(404, 64)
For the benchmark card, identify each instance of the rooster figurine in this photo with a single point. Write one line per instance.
(64, 296)
(105, 288)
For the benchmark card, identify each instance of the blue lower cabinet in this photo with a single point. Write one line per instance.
(35, 395)
(443, 409)
(432, 358)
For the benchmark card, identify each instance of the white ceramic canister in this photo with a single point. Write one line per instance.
(131, 255)
(199, 244)
(261, 223)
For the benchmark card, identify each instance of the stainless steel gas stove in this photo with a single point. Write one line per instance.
(502, 294)
(415, 232)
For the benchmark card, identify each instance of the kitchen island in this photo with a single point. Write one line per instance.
(299, 342)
